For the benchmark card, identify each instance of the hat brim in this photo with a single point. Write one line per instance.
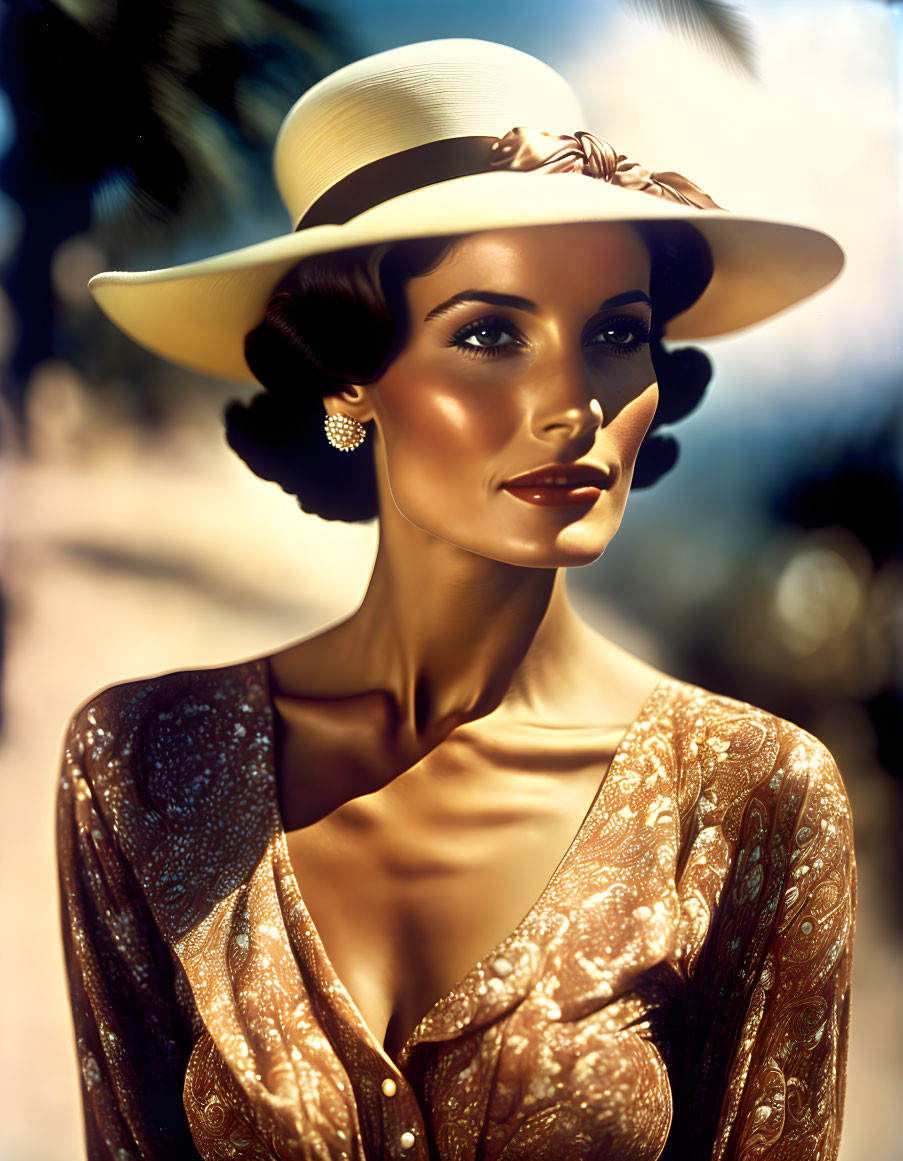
(198, 314)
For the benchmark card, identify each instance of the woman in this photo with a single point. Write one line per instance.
(457, 877)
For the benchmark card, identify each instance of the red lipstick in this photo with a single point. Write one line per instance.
(561, 485)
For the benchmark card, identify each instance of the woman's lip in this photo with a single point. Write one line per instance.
(556, 495)
(562, 476)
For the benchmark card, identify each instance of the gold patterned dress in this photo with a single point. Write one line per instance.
(679, 990)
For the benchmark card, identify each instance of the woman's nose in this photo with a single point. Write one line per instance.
(567, 399)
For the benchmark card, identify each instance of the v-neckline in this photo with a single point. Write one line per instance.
(536, 907)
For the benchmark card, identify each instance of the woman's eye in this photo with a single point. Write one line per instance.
(624, 335)
(485, 337)
(620, 336)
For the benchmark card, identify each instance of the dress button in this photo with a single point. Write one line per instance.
(502, 966)
(389, 1087)
(407, 1140)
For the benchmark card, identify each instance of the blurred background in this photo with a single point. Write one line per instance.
(767, 565)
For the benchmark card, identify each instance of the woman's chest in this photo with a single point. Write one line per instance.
(556, 1047)
(409, 886)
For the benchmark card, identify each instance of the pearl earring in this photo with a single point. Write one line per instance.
(344, 433)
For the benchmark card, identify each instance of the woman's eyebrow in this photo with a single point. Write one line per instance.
(624, 299)
(518, 303)
(489, 296)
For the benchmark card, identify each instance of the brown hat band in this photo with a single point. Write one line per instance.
(520, 149)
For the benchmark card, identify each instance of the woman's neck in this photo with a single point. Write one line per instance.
(451, 635)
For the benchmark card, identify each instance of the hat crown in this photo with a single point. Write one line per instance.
(410, 96)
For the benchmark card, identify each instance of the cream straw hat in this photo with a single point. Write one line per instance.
(451, 137)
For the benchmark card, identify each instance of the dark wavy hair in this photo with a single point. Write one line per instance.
(342, 318)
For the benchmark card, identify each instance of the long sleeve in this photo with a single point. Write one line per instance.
(131, 1046)
(764, 1071)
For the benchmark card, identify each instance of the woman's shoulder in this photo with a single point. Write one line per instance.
(176, 766)
(730, 723)
(732, 754)
(167, 708)
(165, 694)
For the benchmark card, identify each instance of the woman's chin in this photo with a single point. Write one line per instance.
(564, 555)
(571, 548)
(524, 543)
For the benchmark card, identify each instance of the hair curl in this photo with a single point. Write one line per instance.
(342, 318)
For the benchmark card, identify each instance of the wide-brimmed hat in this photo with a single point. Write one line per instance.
(451, 137)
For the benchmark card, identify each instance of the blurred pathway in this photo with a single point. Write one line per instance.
(120, 568)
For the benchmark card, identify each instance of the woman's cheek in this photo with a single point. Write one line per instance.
(445, 455)
(442, 428)
(637, 417)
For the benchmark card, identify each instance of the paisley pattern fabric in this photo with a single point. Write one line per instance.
(679, 990)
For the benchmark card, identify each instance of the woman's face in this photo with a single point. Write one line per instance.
(510, 423)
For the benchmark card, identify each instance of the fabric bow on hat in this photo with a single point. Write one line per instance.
(533, 149)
